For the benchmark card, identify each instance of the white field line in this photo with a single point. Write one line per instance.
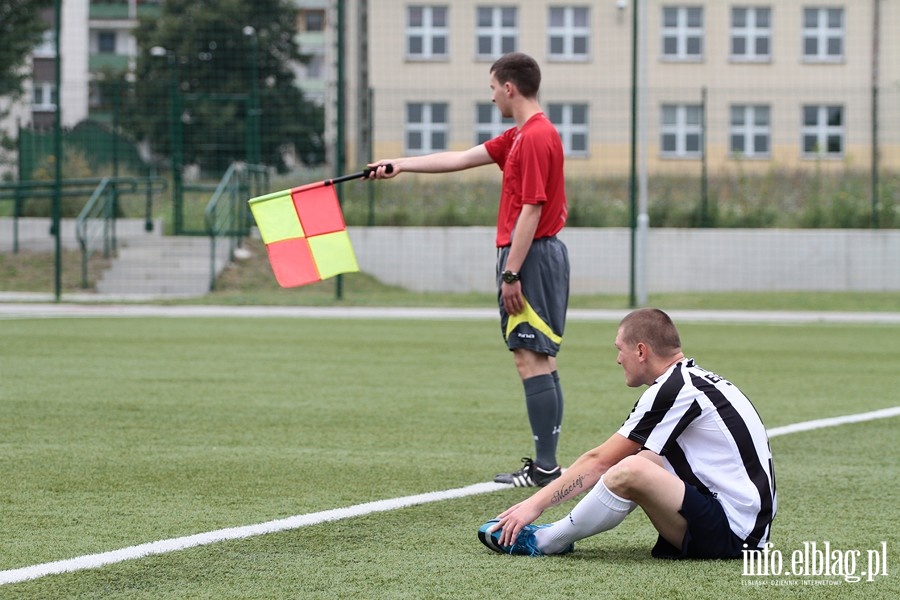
(35, 310)
(884, 413)
(92, 561)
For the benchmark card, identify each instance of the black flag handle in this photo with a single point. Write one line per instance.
(389, 168)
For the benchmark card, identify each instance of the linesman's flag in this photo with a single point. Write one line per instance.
(305, 234)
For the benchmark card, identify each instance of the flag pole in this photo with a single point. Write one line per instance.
(364, 174)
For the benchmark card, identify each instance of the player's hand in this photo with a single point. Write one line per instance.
(383, 169)
(513, 519)
(511, 295)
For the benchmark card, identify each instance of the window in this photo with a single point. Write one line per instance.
(496, 31)
(427, 32)
(489, 123)
(426, 127)
(106, 42)
(315, 67)
(750, 132)
(681, 131)
(314, 20)
(823, 34)
(44, 98)
(569, 32)
(682, 33)
(571, 121)
(823, 131)
(751, 33)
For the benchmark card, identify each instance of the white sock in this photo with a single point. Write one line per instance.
(600, 510)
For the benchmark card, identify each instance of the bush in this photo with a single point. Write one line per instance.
(75, 166)
(778, 198)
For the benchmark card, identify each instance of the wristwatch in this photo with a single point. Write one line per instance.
(510, 277)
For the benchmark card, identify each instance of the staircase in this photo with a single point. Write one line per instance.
(162, 266)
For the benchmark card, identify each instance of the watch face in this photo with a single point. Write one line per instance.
(510, 277)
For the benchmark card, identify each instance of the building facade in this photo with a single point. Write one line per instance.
(750, 86)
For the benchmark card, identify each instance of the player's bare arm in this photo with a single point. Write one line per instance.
(577, 479)
(511, 293)
(440, 162)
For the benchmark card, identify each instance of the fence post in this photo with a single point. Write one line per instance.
(704, 175)
(339, 156)
(58, 151)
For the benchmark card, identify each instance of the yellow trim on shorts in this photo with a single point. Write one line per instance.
(529, 316)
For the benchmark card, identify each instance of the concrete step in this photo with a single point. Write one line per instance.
(163, 266)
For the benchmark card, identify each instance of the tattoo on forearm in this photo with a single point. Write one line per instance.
(560, 495)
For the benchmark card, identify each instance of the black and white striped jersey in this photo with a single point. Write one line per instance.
(712, 438)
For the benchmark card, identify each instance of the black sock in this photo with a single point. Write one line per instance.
(559, 410)
(542, 405)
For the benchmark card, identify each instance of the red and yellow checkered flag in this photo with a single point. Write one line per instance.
(305, 234)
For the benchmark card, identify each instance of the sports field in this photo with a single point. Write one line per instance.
(120, 432)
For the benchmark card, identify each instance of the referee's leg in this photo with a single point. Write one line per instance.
(541, 403)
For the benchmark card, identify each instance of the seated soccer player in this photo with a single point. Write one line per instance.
(693, 454)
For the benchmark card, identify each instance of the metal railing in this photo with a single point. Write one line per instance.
(227, 214)
(95, 226)
(21, 191)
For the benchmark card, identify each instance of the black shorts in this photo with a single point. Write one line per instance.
(708, 533)
(545, 286)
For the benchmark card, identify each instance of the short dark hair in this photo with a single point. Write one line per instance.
(652, 327)
(520, 70)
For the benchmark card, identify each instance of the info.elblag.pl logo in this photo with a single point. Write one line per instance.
(814, 564)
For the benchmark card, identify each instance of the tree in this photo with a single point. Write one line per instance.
(21, 27)
(204, 55)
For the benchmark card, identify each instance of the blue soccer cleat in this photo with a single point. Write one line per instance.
(525, 543)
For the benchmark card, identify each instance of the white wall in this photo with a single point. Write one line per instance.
(679, 260)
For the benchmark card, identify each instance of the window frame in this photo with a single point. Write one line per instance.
(822, 130)
(104, 37)
(43, 96)
(749, 130)
(751, 33)
(569, 33)
(567, 129)
(497, 32)
(682, 33)
(427, 128)
(681, 129)
(428, 33)
(822, 33)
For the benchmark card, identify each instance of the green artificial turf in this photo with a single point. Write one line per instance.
(116, 432)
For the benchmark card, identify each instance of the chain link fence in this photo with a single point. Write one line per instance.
(170, 98)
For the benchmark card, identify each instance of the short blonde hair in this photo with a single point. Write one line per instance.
(652, 327)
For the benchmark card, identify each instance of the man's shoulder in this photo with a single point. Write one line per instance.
(538, 122)
(540, 132)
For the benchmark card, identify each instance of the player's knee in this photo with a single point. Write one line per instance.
(623, 478)
(530, 363)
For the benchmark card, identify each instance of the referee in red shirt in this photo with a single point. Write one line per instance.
(532, 263)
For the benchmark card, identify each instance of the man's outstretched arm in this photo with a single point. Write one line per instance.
(439, 162)
(577, 479)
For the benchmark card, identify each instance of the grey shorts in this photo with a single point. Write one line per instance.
(545, 286)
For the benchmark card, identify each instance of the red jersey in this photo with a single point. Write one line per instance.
(531, 159)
